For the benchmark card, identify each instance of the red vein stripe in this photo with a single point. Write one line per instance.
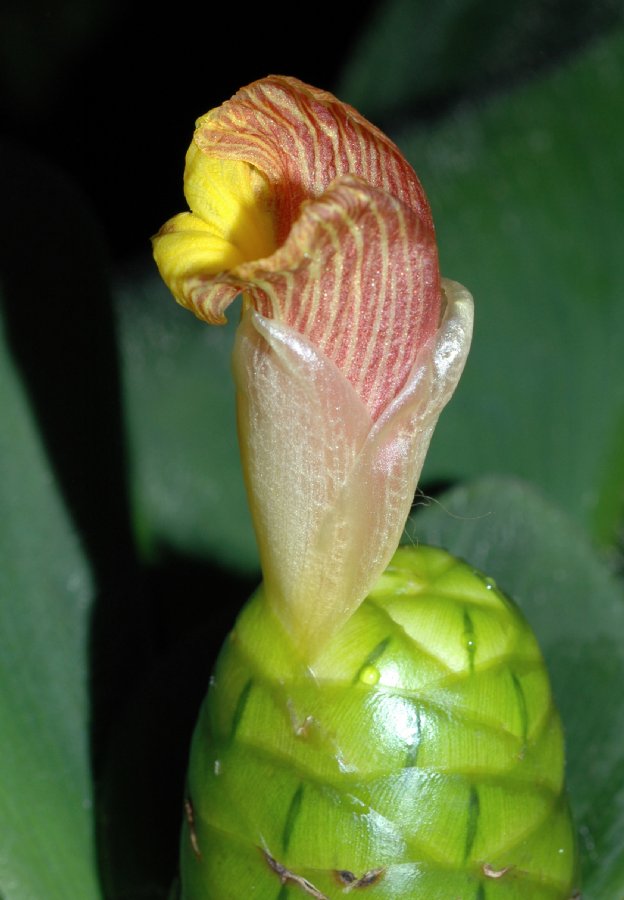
(356, 267)
(355, 276)
(301, 138)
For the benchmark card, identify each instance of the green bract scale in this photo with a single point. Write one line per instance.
(421, 756)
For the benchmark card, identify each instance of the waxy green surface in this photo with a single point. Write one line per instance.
(421, 758)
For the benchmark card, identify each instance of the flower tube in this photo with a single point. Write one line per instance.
(349, 344)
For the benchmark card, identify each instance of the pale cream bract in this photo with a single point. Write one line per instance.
(329, 522)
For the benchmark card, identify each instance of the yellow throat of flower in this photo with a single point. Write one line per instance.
(231, 222)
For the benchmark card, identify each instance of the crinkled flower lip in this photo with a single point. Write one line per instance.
(309, 210)
(348, 346)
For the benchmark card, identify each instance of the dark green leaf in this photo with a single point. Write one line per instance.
(46, 843)
(526, 194)
(576, 606)
(187, 485)
(416, 55)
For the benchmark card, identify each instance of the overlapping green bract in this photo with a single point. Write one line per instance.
(422, 757)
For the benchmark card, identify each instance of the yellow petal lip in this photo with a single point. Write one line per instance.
(234, 201)
(188, 254)
(230, 223)
(252, 166)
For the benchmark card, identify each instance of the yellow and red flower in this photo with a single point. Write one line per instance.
(349, 345)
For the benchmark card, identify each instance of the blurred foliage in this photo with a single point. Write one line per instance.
(461, 47)
(526, 197)
(46, 593)
(187, 494)
(125, 543)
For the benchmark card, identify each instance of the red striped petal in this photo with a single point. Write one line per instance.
(355, 269)
(358, 276)
(301, 139)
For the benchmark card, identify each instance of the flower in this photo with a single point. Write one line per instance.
(349, 343)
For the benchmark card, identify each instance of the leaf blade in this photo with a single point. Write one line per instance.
(45, 595)
(527, 218)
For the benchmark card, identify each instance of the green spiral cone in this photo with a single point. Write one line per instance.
(422, 758)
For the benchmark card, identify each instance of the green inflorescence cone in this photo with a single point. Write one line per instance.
(422, 758)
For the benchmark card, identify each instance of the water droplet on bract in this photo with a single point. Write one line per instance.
(217, 766)
(490, 583)
(370, 675)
